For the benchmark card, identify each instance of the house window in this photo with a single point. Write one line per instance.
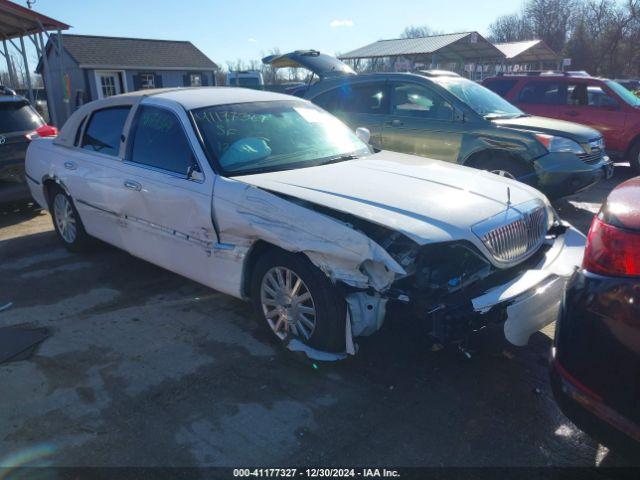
(108, 84)
(147, 80)
(196, 79)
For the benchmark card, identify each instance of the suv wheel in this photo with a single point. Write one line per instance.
(509, 168)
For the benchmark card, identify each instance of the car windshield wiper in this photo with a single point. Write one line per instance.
(340, 158)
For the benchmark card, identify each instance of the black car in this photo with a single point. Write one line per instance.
(595, 365)
(19, 123)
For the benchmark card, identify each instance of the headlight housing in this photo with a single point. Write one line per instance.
(559, 144)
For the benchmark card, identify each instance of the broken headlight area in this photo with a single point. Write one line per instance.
(440, 291)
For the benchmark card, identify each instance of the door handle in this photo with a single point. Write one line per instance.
(572, 113)
(131, 185)
(70, 165)
(393, 123)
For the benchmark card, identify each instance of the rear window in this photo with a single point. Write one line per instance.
(18, 117)
(368, 99)
(501, 86)
(104, 130)
(545, 93)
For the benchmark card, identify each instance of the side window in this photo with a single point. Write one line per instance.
(104, 130)
(597, 97)
(544, 93)
(501, 85)
(413, 100)
(370, 99)
(159, 141)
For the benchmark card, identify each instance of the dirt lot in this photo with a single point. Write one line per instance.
(146, 368)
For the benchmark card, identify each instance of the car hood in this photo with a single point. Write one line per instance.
(550, 126)
(427, 200)
(321, 64)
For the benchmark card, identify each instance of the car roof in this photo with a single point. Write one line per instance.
(12, 99)
(198, 97)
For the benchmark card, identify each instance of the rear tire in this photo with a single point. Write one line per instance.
(508, 167)
(67, 222)
(296, 300)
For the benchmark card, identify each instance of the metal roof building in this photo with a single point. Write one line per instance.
(529, 52)
(454, 51)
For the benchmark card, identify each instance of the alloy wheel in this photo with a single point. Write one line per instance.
(287, 303)
(64, 218)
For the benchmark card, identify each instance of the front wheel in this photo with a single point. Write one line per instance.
(67, 222)
(508, 168)
(296, 300)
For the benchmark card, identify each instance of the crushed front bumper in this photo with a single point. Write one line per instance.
(561, 174)
(532, 300)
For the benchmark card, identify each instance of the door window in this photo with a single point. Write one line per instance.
(582, 94)
(413, 100)
(501, 86)
(104, 130)
(368, 99)
(159, 141)
(543, 93)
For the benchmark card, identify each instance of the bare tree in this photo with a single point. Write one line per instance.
(418, 31)
(510, 28)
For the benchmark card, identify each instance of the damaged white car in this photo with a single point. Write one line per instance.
(267, 197)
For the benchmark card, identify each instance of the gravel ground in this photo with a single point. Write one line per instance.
(146, 368)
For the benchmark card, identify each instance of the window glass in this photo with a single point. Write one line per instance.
(258, 137)
(625, 94)
(159, 141)
(412, 100)
(104, 130)
(195, 79)
(18, 117)
(147, 80)
(76, 141)
(371, 99)
(545, 93)
(596, 97)
(502, 85)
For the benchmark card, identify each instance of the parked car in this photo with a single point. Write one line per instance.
(443, 116)
(596, 359)
(597, 102)
(246, 79)
(19, 124)
(629, 84)
(267, 197)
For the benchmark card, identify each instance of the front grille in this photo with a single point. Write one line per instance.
(518, 239)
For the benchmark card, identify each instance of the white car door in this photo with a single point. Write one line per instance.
(168, 185)
(91, 172)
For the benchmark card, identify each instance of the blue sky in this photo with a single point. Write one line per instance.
(227, 30)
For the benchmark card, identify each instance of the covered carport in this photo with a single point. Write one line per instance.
(18, 23)
(467, 53)
(529, 55)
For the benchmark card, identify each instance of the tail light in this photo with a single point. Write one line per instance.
(43, 131)
(612, 251)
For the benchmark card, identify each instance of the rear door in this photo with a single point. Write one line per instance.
(421, 122)
(17, 119)
(168, 194)
(91, 172)
(359, 105)
(546, 97)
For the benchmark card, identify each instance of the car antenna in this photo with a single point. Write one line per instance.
(508, 197)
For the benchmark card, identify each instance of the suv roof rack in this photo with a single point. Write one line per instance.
(546, 73)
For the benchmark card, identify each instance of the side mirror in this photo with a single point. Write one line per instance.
(363, 134)
(194, 172)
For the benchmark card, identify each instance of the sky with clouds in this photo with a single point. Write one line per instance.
(227, 30)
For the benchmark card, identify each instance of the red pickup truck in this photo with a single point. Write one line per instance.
(597, 102)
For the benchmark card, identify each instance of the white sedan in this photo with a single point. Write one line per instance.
(269, 198)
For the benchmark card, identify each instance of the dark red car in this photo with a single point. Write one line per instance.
(599, 103)
(595, 367)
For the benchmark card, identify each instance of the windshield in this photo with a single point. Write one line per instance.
(482, 100)
(261, 137)
(18, 117)
(623, 93)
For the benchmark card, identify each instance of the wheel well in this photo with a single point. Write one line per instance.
(48, 185)
(475, 158)
(258, 249)
(632, 145)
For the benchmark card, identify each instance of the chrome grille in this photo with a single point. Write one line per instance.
(594, 152)
(518, 239)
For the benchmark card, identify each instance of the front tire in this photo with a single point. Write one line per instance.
(67, 222)
(296, 300)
